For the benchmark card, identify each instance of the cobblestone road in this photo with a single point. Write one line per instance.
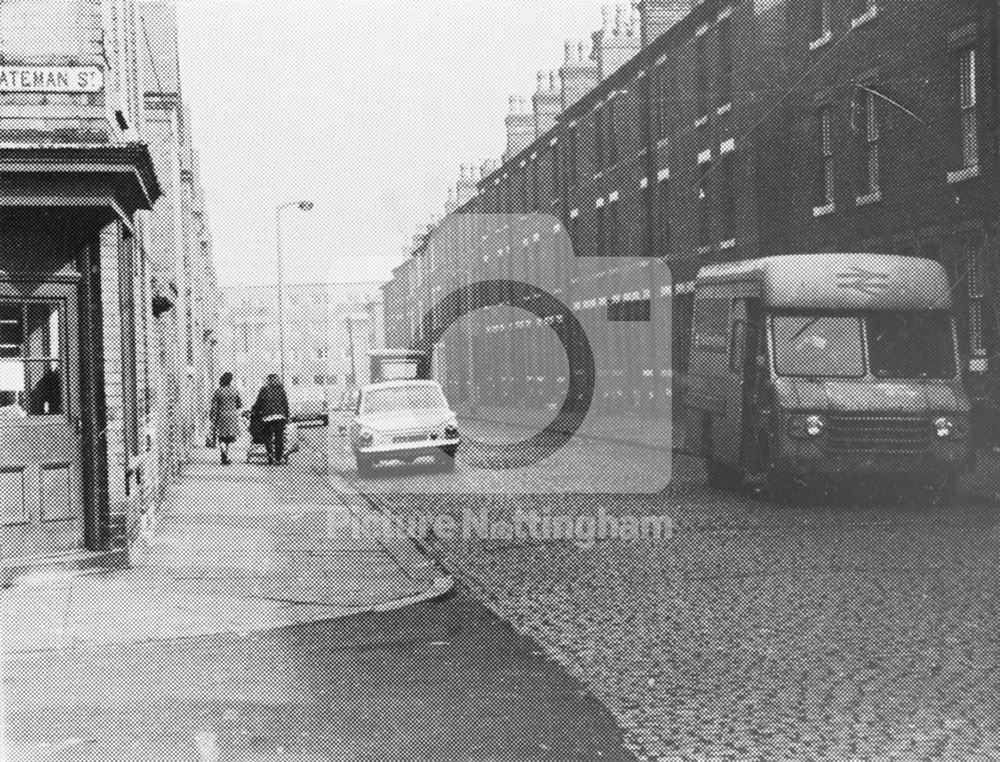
(828, 631)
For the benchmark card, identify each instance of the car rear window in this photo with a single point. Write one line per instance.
(402, 398)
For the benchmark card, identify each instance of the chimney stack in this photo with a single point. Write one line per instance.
(520, 126)
(466, 187)
(657, 16)
(579, 74)
(547, 102)
(615, 43)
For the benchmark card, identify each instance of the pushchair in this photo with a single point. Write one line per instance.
(257, 451)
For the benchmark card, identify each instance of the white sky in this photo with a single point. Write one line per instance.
(367, 108)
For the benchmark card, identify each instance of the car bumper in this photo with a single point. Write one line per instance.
(813, 459)
(410, 449)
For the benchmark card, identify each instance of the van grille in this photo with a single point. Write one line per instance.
(878, 434)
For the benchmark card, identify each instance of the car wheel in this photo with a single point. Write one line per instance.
(445, 462)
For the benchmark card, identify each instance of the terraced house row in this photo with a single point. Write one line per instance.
(730, 129)
(108, 297)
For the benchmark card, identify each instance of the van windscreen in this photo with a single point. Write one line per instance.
(818, 345)
(911, 345)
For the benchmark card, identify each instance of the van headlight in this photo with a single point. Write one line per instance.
(949, 427)
(806, 425)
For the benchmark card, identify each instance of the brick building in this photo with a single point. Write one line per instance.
(85, 442)
(744, 129)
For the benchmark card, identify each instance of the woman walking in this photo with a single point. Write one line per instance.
(225, 415)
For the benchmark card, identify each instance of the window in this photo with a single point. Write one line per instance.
(817, 345)
(574, 235)
(910, 345)
(599, 139)
(534, 186)
(974, 276)
(727, 195)
(704, 202)
(31, 372)
(824, 176)
(967, 108)
(820, 25)
(658, 112)
(600, 231)
(556, 157)
(701, 77)
(613, 245)
(612, 137)
(867, 129)
(726, 60)
(571, 156)
(662, 216)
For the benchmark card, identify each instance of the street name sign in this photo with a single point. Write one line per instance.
(51, 79)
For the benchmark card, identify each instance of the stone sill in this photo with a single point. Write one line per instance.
(865, 17)
(821, 41)
(967, 173)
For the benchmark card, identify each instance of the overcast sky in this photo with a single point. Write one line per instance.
(368, 109)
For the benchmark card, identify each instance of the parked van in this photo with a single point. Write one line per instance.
(827, 365)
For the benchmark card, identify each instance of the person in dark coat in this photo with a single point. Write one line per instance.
(272, 408)
(225, 415)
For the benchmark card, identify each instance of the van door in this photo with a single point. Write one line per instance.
(732, 433)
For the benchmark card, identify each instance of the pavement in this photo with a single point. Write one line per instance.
(235, 549)
(251, 628)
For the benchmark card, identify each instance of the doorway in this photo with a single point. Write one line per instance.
(40, 482)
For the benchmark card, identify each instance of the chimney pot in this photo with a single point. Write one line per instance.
(580, 48)
(541, 81)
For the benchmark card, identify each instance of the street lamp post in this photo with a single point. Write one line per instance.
(305, 206)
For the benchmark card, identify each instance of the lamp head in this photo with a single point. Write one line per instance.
(305, 206)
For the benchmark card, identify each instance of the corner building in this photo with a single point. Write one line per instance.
(80, 370)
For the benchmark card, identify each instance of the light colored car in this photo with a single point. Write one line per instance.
(403, 420)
